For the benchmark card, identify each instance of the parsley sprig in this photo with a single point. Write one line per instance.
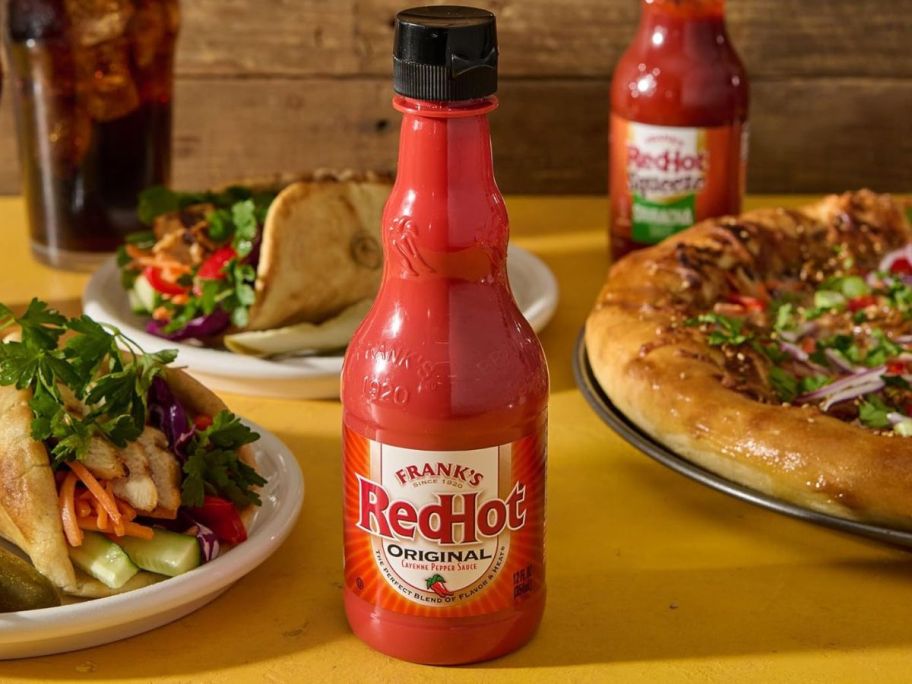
(213, 466)
(236, 219)
(111, 387)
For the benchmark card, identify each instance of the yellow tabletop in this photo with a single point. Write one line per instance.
(651, 577)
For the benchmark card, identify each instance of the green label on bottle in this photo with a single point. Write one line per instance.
(654, 221)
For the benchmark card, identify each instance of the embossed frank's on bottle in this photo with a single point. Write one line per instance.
(445, 386)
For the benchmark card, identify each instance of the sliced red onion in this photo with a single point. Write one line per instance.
(891, 257)
(208, 542)
(801, 356)
(895, 418)
(904, 339)
(854, 392)
(800, 331)
(794, 351)
(841, 362)
(849, 387)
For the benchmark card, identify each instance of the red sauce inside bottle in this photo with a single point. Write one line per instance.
(444, 395)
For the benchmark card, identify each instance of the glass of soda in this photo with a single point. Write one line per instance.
(92, 82)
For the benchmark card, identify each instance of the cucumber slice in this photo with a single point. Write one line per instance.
(104, 560)
(142, 296)
(167, 553)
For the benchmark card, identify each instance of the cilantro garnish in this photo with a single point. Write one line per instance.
(784, 384)
(872, 412)
(111, 386)
(881, 350)
(813, 382)
(724, 329)
(783, 316)
(844, 344)
(213, 465)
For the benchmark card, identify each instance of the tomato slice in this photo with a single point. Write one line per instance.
(748, 302)
(202, 421)
(896, 367)
(213, 268)
(901, 266)
(220, 516)
(862, 302)
(160, 284)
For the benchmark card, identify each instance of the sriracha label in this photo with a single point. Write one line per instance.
(444, 533)
(666, 178)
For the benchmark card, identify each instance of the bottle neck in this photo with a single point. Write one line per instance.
(447, 213)
(445, 147)
(686, 27)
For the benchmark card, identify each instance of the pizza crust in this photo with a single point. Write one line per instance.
(670, 387)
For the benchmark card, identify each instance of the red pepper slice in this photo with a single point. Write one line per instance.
(862, 302)
(901, 266)
(896, 367)
(220, 516)
(748, 302)
(159, 284)
(213, 268)
(202, 421)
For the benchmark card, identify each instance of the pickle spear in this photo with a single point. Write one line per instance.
(22, 587)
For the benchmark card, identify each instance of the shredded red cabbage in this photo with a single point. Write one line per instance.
(200, 327)
(167, 414)
(208, 542)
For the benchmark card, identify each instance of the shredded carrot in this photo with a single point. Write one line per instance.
(83, 508)
(67, 507)
(105, 500)
(130, 529)
(133, 251)
(101, 516)
(161, 314)
(126, 510)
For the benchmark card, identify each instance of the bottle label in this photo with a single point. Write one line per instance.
(444, 533)
(666, 178)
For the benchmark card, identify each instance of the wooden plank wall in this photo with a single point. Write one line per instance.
(284, 85)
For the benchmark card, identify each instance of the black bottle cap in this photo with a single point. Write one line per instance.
(445, 53)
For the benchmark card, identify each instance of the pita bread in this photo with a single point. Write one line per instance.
(29, 517)
(321, 250)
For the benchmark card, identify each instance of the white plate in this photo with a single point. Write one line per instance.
(101, 621)
(315, 377)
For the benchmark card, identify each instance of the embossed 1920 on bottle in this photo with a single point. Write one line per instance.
(445, 386)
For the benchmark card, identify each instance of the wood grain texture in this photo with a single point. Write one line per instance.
(540, 38)
(549, 135)
(287, 85)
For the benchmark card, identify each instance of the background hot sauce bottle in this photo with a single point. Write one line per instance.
(445, 386)
(679, 102)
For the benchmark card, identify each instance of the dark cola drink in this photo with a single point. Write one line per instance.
(92, 82)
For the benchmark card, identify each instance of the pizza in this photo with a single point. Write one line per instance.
(774, 349)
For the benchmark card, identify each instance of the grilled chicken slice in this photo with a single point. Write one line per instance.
(137, 488)
(165, 470)
(102, 460)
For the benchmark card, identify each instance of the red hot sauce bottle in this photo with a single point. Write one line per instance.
(445, 386)
(679, 130)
